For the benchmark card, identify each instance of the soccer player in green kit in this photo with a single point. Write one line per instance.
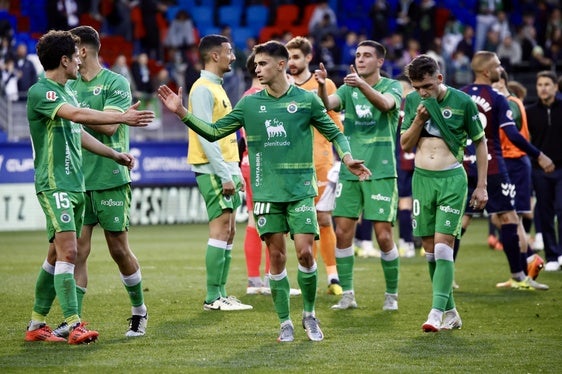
(438, 120)
(57, 137)
(372, 105)
(278, 122)
(108, 190)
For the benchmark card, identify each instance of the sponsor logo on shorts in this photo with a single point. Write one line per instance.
(379, 197)
(65, 217)
(262, 221)
(448, 209)
(414, 223)
(112, 202)
(304, 208)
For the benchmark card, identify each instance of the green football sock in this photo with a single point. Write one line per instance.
(431, 267)
(442, 283)
(44, 293)
(225, 271)
(391, 274)
(135, 294)
(345, 271)
(65, 287)
(80, 292)
(214, 263)
(280, 295)
(307, 283)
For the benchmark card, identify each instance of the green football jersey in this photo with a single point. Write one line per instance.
(57, 148)
(279, 133)
(107, 90)
(459, 112)
(371, 133)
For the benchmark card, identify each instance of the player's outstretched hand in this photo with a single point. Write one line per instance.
(171, 100)
(352, 79)
(138, 118)
(357, 167)
(321, 74)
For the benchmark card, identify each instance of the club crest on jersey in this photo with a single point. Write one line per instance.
(292, 107)
(51, 95)
(447, 113)
(97, 90)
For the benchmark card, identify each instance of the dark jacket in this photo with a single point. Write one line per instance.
(545, 128)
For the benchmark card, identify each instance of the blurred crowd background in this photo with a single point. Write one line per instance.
(155, 41)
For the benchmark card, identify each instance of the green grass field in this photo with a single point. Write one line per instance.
(504, 331)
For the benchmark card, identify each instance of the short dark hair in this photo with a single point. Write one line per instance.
(421, 66)
(548, 74)
(53, 45)
(272, 48)
(88, 36)
(380, 50)
(210, 42)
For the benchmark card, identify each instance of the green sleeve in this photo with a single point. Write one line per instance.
(218, 130)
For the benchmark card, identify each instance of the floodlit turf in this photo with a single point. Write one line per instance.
(504, 331)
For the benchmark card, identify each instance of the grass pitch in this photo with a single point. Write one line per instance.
(504, 331)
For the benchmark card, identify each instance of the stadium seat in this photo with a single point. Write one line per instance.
(241, 34)
(268, 33)
(230, 15)
(257, 16)
(307, 14)
(172, 11)
(113, 46)
(286, 15)
(203, 16)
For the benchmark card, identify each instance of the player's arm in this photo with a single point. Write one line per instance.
(115, 102)
(384, 102)
(210, 131)
(414, 119)
(95, 146)
(479, 197)
(331, 102)
(107, 129)
(330, 131)
(132, 117)
(520, 142)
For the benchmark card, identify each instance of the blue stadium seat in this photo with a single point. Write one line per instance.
(241, 34)
(230, 15)
(257, 17)
(202, 16)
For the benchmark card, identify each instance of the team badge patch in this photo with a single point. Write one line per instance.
(51, 95)
(292, 107)
(97, 90)
(447, 113)
(262, 221)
